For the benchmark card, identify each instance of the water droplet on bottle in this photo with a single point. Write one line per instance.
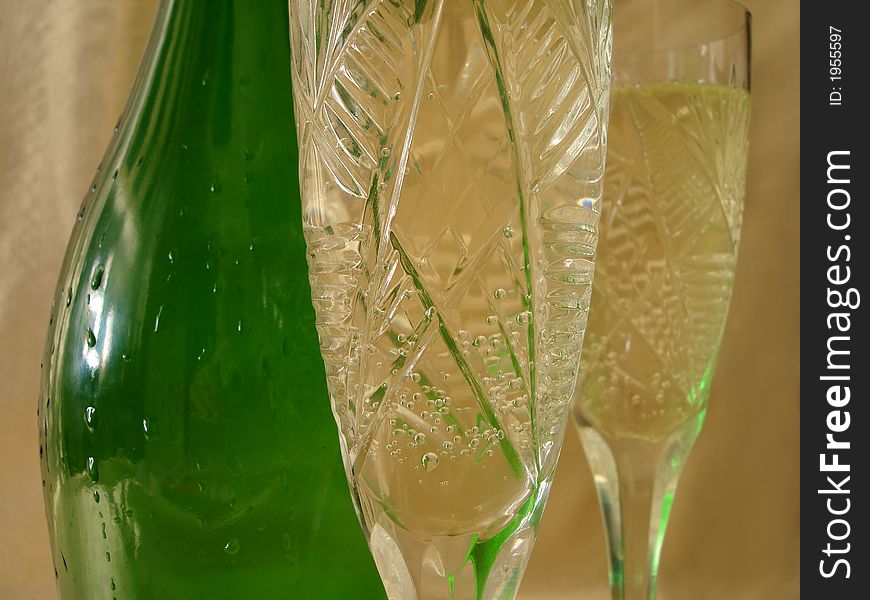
(420, 438)
(104, 530)
(93, 469)
(69, 296)
(91, 418)
(385, 152)
(112, 583)
(157, 319)
(96, 496)
(479, 341)
(491, 320)
(147, 429)
(108, 557)
(232, 547)
(430, 96)
(430, 461)
(215, 184)
(508, 232)
(97, 279)
(500, 293)
(397, 96)
(91, 338)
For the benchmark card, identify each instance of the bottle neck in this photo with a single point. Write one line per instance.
(206, 69)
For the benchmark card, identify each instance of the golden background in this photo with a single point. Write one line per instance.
(65, 70)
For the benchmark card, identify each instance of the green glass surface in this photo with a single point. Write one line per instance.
(187, 450)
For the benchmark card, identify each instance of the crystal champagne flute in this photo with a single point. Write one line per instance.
(451, 158)
(667, 255)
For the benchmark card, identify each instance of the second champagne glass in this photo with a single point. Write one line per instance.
(451, 159)
(670, 228)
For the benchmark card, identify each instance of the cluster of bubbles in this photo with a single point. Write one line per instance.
(452, 443)
(618, 389)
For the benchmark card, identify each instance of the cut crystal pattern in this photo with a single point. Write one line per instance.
(674, 193)
(451, 162)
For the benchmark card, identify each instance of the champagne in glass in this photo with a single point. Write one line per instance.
(667, 255)
(667, 258)
(452, 164)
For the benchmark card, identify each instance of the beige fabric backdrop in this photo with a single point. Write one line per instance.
(65, 71)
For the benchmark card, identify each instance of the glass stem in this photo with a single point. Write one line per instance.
(636, 481)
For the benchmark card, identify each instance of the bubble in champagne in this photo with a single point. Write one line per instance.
(430, 461)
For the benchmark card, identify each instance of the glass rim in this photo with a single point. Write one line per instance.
(734, 6)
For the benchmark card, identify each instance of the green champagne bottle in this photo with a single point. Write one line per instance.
(187, 446)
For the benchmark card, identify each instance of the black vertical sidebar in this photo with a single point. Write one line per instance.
(835, 342)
